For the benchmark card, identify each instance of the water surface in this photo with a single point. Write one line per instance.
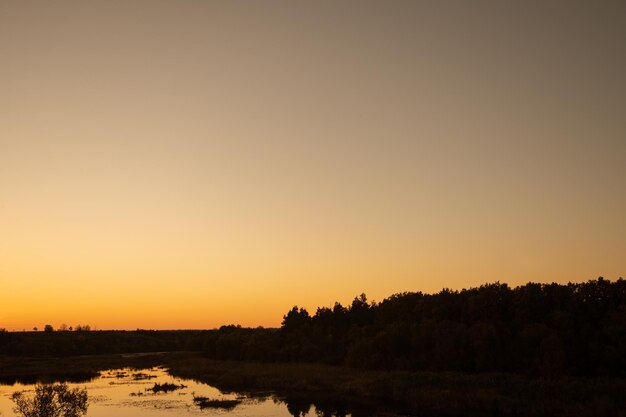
(154, 393)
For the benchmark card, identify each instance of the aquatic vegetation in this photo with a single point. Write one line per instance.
(140, 376)
(165, 387)
(206, 402)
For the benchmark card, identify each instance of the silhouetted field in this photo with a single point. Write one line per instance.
(72, 343)
(29, 370)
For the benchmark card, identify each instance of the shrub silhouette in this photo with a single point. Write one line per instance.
(51, 400)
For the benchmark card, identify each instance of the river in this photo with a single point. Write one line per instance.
(154, 393)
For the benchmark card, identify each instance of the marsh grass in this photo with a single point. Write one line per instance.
(423, 393)
(30, 370)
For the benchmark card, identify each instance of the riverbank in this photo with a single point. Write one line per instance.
(29, 370)
(423, 393)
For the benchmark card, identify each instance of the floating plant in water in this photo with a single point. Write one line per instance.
(140, 376)
(165, 387)
(206, 402)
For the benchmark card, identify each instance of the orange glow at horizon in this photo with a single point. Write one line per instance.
(188, 165)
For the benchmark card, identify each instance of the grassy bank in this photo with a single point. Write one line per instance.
(340, 388)
(74, 369)
(423, 393)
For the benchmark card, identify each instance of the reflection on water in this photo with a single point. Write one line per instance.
(154, 393)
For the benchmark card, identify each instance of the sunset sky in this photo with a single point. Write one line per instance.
(188, 164)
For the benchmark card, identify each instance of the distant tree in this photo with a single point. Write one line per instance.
(35, 328)
(63, 327)
(51, 400)
(360, 311)
(296, 318)
(48, 328)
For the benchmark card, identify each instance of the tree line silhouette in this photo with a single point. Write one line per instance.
(548, 330)
(65, 328)
(541, 329)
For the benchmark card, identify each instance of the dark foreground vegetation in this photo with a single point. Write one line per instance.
(546, 330)
(338, 391)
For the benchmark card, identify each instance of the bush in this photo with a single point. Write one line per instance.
(51, 400)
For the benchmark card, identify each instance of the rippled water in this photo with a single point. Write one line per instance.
(129, 392)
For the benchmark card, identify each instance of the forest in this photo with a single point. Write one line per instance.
(547, 330)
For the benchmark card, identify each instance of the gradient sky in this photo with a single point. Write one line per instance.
(187, 164)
